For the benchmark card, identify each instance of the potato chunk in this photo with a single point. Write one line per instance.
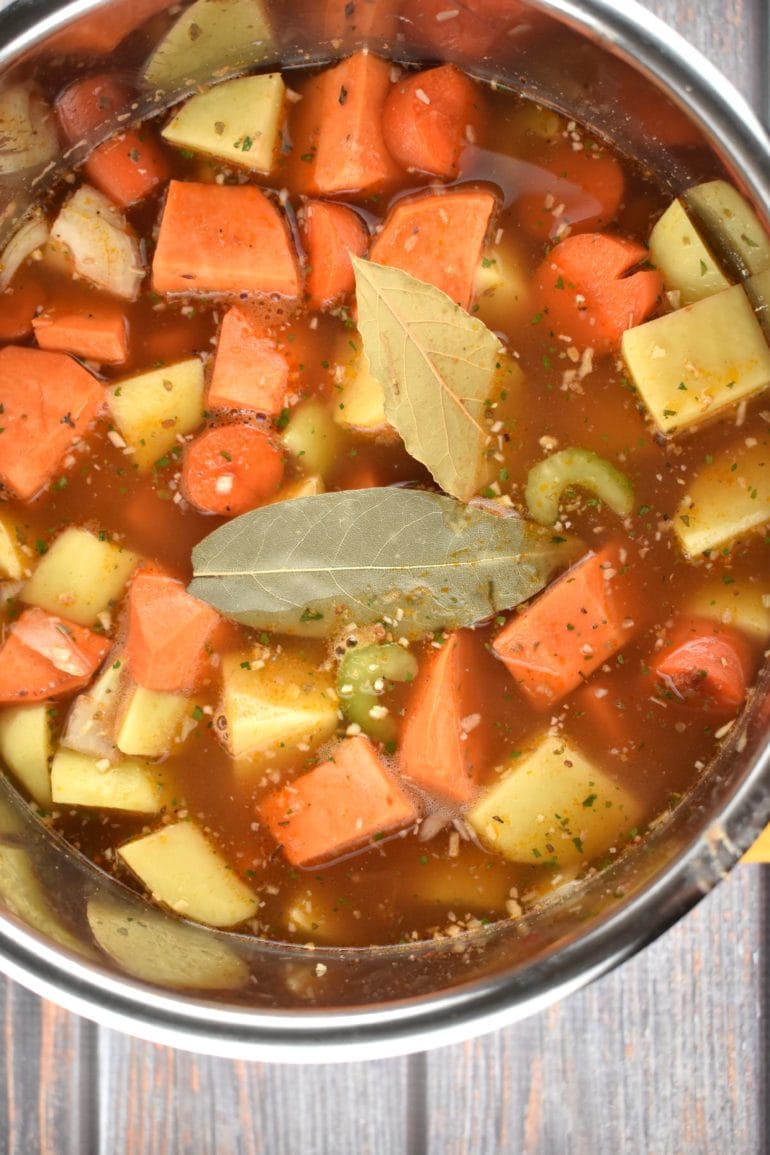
(739, 604)
(80, 780)
(238, 121)
(286, 702)
(731, 225)
(695, 363)
(150, 722)
(683, 258)
(183, 870)
(80, 577)
(208, 37)
(26, 748)
(553, 807)
(152, 409)
(13, 564)
(728, 499)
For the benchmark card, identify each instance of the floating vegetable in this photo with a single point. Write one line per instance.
(547, 481)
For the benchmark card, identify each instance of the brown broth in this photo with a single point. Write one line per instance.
(405, 887)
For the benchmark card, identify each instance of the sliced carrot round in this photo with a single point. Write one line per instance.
(428, 119)
(705, 665)
(231, 469)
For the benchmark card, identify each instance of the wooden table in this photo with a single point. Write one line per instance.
(664, 1057)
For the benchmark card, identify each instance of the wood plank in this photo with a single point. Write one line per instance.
(660, 1057)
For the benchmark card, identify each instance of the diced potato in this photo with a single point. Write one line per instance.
(152, 409)
(238, 121)
(553, 806)
(31, 234)
(682, 257)
(183, 870)
(90, 726)
(103, 249)
(81, 780)
(26, 748)
(739, 604)
(210, 38)
(13, 563)
(150, 722)
(758, 289)
(80, 577)
(313, 438)
(24, 897)
(698, 361)
(158, 949)
(728, 499)
(360, 403)
(286, 702)
(731, 225)
(302, 487)
(502, 287)
(27, 130)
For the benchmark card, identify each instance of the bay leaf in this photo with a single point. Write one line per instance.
(311, 565)
(437, 366)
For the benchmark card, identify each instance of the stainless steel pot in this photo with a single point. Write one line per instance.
(629, 77)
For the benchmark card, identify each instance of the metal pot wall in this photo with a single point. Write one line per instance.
(627, 76)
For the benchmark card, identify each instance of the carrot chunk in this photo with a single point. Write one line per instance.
(705, 664)
(330, 234)
(44, 656)
(101, 334)
(340, 137)
(231, 469)
(167, 632)
(342, 806)
(567, 632)
(580, 188)
(584, 294)
(223, 239)
(438, 237)
(436, 751)
(428, 119)
(18, 306)
(127, 168)
(249, 372)
(47, 402)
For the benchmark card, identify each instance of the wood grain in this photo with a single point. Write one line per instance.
(663, 1057)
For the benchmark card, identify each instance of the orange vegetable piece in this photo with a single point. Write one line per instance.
(99, 33)
(47, 403)
(584, 294)
(475, 27)
(580, 188)
(130, 166)
(705, 664)
(249, 372)
(231, 469)
(18, 306)
(100, 334)
(567, 632)
(44, 657)
(438, 238)
(167, 632)
(223, 239)
(330, 234)
(428, 119)
(339, 131)
(342, 806)
(435, 751)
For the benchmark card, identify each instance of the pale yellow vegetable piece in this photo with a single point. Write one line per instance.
(728, 218)
(693, 364)
(24, 897)
(758, 289)
(13, 563)
(740, 604)
(360, 402)
(90, 726)
(32, 234)
(238, 121)
(28, 135)
(456, 885)
(152, 409)
(683, 258)
(26, 748)
(313, 438)
(286, 702)
(553, 806)
(303, 487)
(102, 247)
(502, 286)
(211, 37)
(82, 780)
(157, 948)
(80, 577)
(182, 869)
(729, 498)
(150, 722)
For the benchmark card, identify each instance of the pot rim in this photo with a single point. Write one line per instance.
(305, 1035)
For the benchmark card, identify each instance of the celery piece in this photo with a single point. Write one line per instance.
(548, 479)
(363, 678)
